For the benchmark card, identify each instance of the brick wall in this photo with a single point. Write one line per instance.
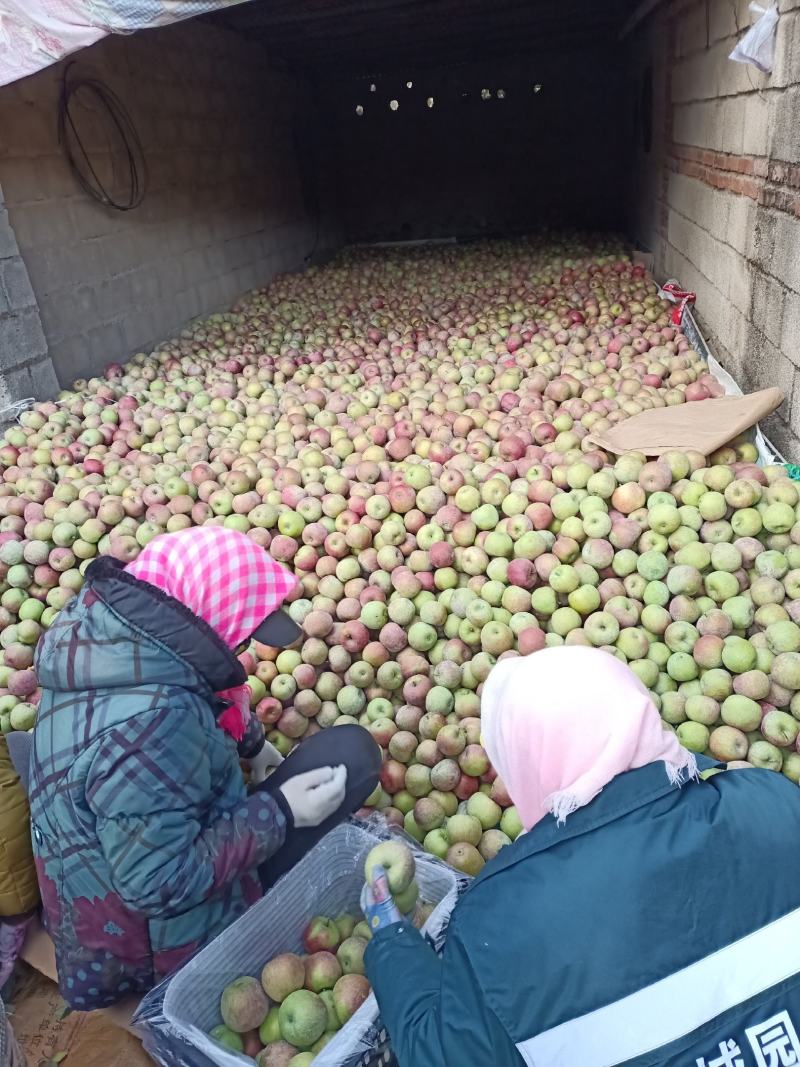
(225, 208)
(25, 366)
(727, 221)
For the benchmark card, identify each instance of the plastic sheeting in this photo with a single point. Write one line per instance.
(36, 33)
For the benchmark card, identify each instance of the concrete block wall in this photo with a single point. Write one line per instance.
(727, 221)
(25, 366)
(224, 210)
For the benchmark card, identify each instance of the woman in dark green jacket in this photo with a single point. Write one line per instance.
(646, 916)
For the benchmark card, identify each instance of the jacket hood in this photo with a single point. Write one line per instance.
(121, 631)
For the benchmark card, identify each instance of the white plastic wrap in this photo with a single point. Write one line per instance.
(327, 881)
(12, 412)
(36, 33)
(757, 47)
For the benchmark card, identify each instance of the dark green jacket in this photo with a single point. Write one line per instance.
(656, 926)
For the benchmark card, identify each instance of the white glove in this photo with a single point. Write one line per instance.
(314, 795)
(266, 759)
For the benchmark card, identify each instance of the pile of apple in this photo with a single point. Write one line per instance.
(409, 431)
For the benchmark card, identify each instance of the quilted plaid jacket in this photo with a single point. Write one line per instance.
(146, 843)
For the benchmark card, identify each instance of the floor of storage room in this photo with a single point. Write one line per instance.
(77, 1039)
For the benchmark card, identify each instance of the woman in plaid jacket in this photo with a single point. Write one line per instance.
(146, 841)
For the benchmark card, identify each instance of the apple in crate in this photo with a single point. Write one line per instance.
(227, 1038)
(362, 930)
(345, 925)
(321, 935)
(244, 1005)
(282, 976)
(303, 1018)
(407, 900)
(333, 1023)
(323, 971)
(270, 1029)
(276, 1054)
(252, 1043)
(351, 955)
(349, 994)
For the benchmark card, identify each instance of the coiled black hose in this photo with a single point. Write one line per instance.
(75, 151)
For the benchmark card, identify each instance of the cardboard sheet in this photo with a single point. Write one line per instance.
(703, 426)
(37, 1018)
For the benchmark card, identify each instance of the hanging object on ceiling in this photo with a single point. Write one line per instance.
(373, 87)
(486, 94)
(359, 110)
(429, 101)
(394, 105)
(409, 85)
(501, 94)
(757, 47)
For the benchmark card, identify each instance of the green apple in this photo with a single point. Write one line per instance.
(702, 709)
(464, 828)
(485, 810)
(437, 842)
(397, 860)
(694, 736)
(511, 824)
(738, 655)
(741, 712)
(740, 610)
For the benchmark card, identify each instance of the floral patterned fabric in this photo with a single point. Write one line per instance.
(36, 33)
(146, 843)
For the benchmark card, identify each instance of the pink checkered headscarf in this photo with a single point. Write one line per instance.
(224, 578)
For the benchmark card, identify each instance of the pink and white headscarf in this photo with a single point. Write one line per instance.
(559, 724)
(227, 580)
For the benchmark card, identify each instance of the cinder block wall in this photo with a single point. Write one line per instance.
(224, 211)
(25, 367)
(719, 194)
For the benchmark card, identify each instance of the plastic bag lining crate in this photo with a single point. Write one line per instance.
(327, 881)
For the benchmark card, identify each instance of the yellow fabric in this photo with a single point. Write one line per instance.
(19, 889)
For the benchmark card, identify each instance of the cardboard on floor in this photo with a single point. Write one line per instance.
(36, 1015)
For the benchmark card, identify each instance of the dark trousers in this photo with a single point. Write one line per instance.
(351, 745)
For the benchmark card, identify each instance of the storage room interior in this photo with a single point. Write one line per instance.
(158, 177)
(275, 134)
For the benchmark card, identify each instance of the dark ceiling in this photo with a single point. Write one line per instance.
(371, 36)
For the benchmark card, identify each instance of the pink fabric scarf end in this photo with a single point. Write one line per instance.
(234, 719)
